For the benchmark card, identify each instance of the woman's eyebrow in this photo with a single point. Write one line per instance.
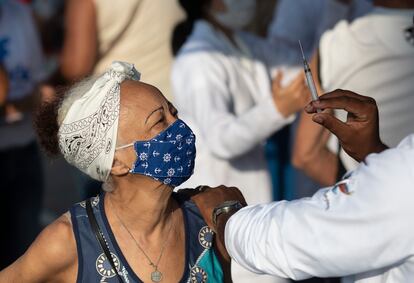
(159, 108)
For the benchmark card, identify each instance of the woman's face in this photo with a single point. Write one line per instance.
(144, 113)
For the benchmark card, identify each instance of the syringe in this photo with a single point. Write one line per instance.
(309, 78)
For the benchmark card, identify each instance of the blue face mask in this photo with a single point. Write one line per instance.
(168, 157)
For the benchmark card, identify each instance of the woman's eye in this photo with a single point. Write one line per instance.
(162, 121)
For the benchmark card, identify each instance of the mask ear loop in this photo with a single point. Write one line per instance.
(123, 147)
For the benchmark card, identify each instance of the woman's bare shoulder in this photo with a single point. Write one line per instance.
(51, 256)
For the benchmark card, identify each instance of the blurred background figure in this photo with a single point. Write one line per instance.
(370, 55)
(222, 82)
(4, 86)
(21, 71)
(135, 31)
(306, 21)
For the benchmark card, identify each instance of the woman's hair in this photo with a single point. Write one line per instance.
(50, 115)
(195, 10)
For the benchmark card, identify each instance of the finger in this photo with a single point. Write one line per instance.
(344, 93)
(310, 109)
(330, 122)
(349, 104)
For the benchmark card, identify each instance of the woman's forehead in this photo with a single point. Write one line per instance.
(140, 96)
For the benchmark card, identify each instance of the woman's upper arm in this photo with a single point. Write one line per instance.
(50, 255)
(80, 42)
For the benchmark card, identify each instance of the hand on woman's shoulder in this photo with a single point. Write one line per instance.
(51, 257)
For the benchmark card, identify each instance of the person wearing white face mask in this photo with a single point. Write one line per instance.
(222, 86)
(238, 13)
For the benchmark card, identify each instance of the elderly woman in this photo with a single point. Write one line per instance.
(125, 133)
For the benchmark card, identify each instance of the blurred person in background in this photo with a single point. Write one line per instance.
(4, 86)
(136, 31)
(222, 83)
(372, 56)
(20, 162)
(306, 21)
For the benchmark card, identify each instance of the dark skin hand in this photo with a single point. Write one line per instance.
(359, 135)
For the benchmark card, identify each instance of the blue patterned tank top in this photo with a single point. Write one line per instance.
(201, 264)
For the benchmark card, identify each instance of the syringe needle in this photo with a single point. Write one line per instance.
(309, 78)
(301, 50)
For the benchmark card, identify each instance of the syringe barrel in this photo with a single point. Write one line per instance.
(311, 85)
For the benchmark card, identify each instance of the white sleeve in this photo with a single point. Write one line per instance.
(363, 224)
(200, 87)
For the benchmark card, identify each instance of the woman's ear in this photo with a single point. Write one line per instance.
(119, 168)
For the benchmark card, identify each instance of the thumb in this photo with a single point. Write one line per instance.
(334, 125)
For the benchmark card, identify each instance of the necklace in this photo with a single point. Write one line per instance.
(156, 275)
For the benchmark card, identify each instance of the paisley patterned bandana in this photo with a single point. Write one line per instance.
(87, 136)
(168, 157)
(409, 34)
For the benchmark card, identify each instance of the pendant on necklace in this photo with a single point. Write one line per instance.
(156, 276)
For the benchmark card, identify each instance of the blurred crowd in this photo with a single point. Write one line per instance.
(236, 78)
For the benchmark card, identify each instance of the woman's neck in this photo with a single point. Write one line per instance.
(145, 206)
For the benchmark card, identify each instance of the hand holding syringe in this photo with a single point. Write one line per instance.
(309, 78)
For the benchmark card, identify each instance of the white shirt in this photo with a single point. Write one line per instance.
(371, 56)
(363, 226)
(142, 38)
(224, 94)
(225, 97)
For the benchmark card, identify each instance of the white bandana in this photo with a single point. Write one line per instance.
(87, 136)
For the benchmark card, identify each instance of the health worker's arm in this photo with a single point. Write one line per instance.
(361, 224)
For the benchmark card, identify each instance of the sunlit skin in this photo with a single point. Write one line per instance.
(144, 205)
